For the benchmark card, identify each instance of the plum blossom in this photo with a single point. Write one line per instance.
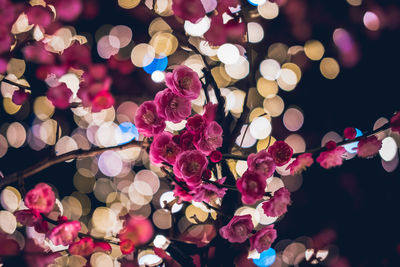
(368, 147)
(164, 149)
(147, 120)
(65, 233)
(190, 166)
(182, 194)
(28, 217)
(85, 247)
(350, 133)
(5, 39)
(281, 152)
(210, 111)
(263, 239)
(210, 139)
(238, 229)
(172, 107)
(39, 15)
(185, 140)
(277, 205)
(184, 82)
(191, 10)
(216, 156)
(301, 163)
(220, 33)
(252, 186)
(59, 96)
(332, 157)
(20, 96)
(41, 198)
(136, 230)
(262, 163)
(102, 100)
(196, 124)
(208, 191)
(395, 122)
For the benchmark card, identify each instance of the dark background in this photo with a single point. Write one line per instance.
(359, 200)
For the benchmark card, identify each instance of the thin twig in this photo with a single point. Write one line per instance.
(14, 83)
(76, 154)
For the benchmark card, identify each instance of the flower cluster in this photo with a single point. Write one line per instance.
(190, 150)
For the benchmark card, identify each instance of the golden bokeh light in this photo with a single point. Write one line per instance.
(329, 68)
(314, 49)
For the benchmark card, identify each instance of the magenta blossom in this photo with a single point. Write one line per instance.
(102, 100)
(216, 156)
(191, 10)
(190, 166)
(262, 163)
(369, 147)
(350, 133)
(252, 186)
(147, 120)
(263, 239)
(28, 217)
(185, 140)
(41, 198)
(39, 15)
(184, 82)
(208, 191)
(59, 96)
(281, 152)
(220, 33)
(196, 124)
(85, 247)
(300, 163)
(224, 5)
(395, 122)
(238, 229)
(277, 205)
(163, 149)
(5, 39)
(332, 157)
(182, 194)
(19, 96)
(65, 233)
(172, 107)
(210, 139)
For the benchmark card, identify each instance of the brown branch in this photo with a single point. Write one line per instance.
(76, 154)
(14, 83)
(320, 149)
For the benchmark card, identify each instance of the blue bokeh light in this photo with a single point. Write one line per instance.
(128, 132)
(157, 64)
(256, 3)
(351, 148)
(267, 258)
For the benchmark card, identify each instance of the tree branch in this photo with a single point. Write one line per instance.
(76, 154)
(14, 83)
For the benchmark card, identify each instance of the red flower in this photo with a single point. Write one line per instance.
(59, 96)
(191, 10)
(220, 33)
(85, 247)
(216, 156)
(41, 198)
(368, 147)
(238, 229)
(332, 157)
(262, 163)
(19, 96)
(395, 122)
(28, 217)
(164, 149)
(350, 133)
(252, 186)
(102, 100)
(196, 124)
(280, 152)
(172, 107)
(277, 205)
(300, 163)
(190, 166)
(263, 239)
(147, 120)
(137, 230)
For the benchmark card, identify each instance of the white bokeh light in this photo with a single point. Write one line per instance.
(228, 53)
(260, 128)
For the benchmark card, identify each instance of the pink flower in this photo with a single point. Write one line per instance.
(395, 122)
(68, 10)
(41, 198)
(39, 15)
(262, 163)
(102, 100)
(332, 157)
(368, 147)
(191, 10)
(28, 217)
(59, 96)
(172, 107)
(147, 120)
(5, 39)
(220, 33)
(185, 140)
(182, 194)
(210, 111)
(263, 239)
(216, 156)
(207, 191)
(277, 205)
(281, 152)
(196, 124)
(300, 163)
(210, 139)
(136, 230)
(7, 12)
(252, 186)
(190, 166)
(350, 133)
(85, 247)
(224, 5)
(163, 149)
(184, 82)
(238, 229)
(19, 96)
(64, 234)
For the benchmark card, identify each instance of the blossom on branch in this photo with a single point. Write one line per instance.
(263, 239)
(184, 82)
(277, 205)
(65, 233)
(191, 10)
(301, 163)
(281, 152)
(252, 186)
(85, 247)
(332, 157)
(369, 147)
(147, 120)
(190, 166)
(350, 133)
(238, 229)
(172, 107)
(164, 149)
(137, 230)
(262, 163)
(41, 198)
(395, 122)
